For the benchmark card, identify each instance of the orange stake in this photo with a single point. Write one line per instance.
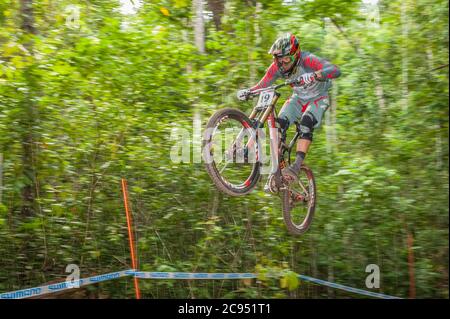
(130, 236)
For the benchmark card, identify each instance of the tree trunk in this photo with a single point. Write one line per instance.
(26, 12)
(438, 147)
(197, 137)
(217, 7)
(258, 10)
(1, 177)
(328, 130)
(405, 32)
(199, 26)
(430, 58)
(333, 113)
(330, 122)
(379, 92)
(188, 65)
(27, 192)
(257, 35)
(29, 119)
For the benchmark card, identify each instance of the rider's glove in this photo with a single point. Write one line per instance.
(307, 78)
(243, 95)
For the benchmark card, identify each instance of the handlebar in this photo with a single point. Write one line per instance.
(273, 87)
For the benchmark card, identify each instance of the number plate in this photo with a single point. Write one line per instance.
(265, 98)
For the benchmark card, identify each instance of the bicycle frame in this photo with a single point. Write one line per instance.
(269, 115)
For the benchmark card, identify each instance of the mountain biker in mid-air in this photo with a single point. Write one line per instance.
(309, 101)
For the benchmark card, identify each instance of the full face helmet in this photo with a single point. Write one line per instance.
(286, 52)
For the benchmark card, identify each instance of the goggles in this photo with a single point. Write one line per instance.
(286, 59)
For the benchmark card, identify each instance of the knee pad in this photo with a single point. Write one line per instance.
(284, 123)
(306, 126)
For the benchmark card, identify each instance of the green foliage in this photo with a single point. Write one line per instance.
(98, 103)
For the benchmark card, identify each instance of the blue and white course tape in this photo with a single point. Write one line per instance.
(48, 289)
(42, 290)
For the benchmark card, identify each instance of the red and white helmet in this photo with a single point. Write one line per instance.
(286, 45)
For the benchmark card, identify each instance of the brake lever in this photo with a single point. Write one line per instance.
(251, 96)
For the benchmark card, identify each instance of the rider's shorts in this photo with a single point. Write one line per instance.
(295, 107)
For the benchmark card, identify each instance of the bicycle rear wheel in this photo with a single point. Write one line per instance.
(299, 202)
(230, 151)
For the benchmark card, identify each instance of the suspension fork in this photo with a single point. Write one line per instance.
(274, 143)
(269, 116)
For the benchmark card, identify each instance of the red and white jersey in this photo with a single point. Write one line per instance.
(307, 63)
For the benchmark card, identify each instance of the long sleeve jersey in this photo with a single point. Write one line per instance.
(307, 63)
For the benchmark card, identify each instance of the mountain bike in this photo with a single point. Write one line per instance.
(234, 155)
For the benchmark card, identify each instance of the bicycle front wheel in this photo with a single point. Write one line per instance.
(230, 151)
(299, 202)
